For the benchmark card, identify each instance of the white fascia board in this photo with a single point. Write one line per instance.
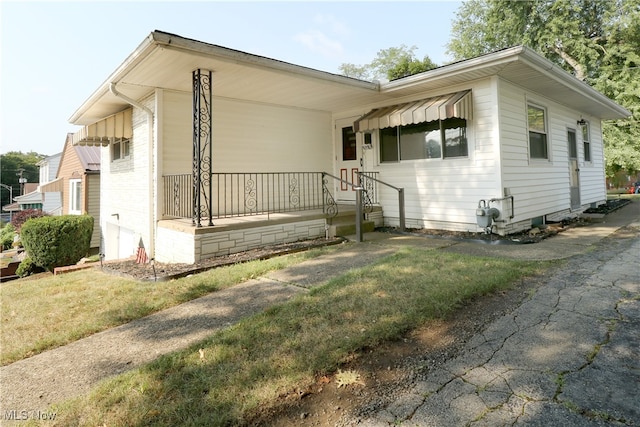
(555, 72)
(162, 40)
(145, 48)
(172, 41)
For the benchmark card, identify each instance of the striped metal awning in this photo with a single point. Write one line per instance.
(458, 104)
(113, 128)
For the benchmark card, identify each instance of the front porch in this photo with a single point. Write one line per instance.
(178, 241)
(237, 212)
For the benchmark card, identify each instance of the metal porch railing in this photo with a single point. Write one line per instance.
(246, 194)
(259, 193)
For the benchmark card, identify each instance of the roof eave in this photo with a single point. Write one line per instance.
(173, 41)
(510, 55)
(560, 75)
(143, 50)
(162, 40)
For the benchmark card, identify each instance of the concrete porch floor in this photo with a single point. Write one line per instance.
(179, 241)
(253, 221)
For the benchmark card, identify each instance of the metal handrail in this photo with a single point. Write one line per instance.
(340, 179)
(400, 190)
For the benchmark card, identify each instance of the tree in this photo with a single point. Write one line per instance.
(597, 41)
(12, 163)
(410, 66)
(389, 64)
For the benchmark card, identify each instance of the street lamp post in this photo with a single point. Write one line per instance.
(10, 188)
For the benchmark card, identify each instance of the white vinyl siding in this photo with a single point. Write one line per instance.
(542, 187)
(248, 137)
(444, 193)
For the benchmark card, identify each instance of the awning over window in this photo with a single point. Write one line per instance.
(116, 127)
(426, 110)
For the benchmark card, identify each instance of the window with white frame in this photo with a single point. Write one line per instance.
(437, 139)
(586, 142)
(537, 124)
(75, 196)
(120, 149)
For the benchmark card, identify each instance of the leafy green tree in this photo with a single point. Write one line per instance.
(409, 66)
(12, 163)
(389, 64)
(597, 41)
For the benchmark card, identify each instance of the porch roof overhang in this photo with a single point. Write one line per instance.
(118, 126)
(458, 104)
(166, 61)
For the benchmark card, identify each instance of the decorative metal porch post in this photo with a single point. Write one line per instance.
(202, 147)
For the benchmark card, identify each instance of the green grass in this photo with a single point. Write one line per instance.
(247, 366)
(41, 314)
(612, 195)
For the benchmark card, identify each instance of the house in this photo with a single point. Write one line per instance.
(51, 201)
(77, 185)
(32, 197)
(208, 150)
(29, 199)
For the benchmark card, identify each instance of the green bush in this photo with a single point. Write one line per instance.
(57, 241)
(6, 236)
(27, 268)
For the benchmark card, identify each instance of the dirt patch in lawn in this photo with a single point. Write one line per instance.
(385, 371)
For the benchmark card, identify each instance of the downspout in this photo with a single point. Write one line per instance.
(114, 91)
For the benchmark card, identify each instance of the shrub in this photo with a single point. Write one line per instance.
(27, 268)
(55, 241)
(7, 235)
(20, 217)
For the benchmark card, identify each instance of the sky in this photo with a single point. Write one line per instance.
(54, 55)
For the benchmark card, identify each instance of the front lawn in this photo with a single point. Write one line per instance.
(44, 313)
(243, 369)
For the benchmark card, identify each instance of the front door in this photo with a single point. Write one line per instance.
(347, 160)
(574, 170)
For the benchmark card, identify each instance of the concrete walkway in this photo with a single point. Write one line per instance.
(35, 383)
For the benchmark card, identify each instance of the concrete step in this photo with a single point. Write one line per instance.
(344, 228)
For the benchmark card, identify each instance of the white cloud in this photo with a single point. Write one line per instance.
(325, 38)
(334, 25)
(319, 42)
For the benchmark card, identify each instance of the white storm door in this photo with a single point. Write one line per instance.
(347, 161)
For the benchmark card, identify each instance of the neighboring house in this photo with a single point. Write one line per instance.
(30, 199)
(77, 183)
(252, 135)
(51, 201)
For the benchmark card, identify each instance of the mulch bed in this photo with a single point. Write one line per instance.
(158, 271)
(611, 206)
